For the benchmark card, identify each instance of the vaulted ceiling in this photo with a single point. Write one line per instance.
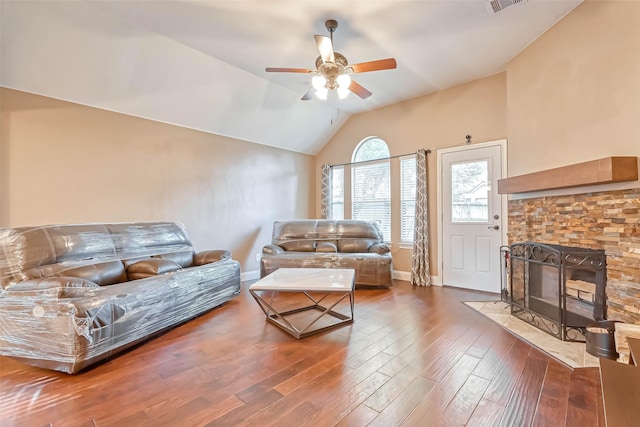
(201, 64)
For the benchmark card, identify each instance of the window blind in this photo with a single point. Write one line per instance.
(371, 195)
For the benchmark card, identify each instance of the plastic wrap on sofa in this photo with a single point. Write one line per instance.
(68, 323)
(330, 244)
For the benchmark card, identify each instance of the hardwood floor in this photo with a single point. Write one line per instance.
(413, 357)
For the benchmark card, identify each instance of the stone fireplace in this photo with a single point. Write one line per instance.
(608, 220)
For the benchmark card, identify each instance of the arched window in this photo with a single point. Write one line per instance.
(370, 184)
(371, 148)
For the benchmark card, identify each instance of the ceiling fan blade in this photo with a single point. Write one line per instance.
(307, 96)
(288, 70)
(380, 64)
(326, 48)
(359, 90)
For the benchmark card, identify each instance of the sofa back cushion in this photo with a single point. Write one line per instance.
(286, 231)
(24, 248)
(299, 246)
(133, 240)
(359, 229)
(34, 252)
(355, 245)
(46, 251)
(76, 242)
(307, 235)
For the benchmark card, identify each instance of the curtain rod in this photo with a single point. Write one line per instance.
(377, 160)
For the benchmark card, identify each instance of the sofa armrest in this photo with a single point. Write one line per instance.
(52, 283)
(207, 257)
(272, 250)
(380, 248)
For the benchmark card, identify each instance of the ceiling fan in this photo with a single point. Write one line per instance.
(333, 70)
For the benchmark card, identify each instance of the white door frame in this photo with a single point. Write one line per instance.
(503, 215)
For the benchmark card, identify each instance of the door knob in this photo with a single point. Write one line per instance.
(495, 227)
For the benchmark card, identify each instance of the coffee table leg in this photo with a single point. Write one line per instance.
(330, 311)
(279, 318)
(274, 315)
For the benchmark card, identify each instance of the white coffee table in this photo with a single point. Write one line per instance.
(329, 285)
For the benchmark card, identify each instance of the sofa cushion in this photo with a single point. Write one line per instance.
(355, 245)
(380, 248)
(272, 250)
(151, 267)
(327, 247)
(184, 258)
(103, 274)
(299, 246)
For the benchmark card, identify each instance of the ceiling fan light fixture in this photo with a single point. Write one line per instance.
(343, 92)
(318, 82)
(344, 80)
(333, 70)
(322, 93)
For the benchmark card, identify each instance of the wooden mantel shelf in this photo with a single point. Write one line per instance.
(602, 171)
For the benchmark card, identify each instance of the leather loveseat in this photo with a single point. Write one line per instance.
(320, 243)
(72, 295)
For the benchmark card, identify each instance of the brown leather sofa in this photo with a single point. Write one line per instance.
(320, 243)
(72, 295)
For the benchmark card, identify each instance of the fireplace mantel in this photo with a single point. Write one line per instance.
(602, 171)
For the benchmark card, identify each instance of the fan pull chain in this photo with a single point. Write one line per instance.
(337, 114)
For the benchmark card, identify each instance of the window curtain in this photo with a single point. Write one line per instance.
(420, 275)
(325, 192)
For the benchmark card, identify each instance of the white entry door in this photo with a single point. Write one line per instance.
(471, 216)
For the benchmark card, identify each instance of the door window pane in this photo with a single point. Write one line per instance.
(470, 191)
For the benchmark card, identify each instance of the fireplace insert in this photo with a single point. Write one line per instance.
(558, 289)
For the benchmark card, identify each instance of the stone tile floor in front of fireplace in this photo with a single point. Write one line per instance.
(573, 354)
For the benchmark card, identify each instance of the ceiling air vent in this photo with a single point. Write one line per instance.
(495, 6)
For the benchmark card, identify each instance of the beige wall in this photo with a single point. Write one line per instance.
(67, 163)
(574, 94)
(434, 121)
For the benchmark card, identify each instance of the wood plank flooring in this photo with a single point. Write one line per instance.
(413, 357)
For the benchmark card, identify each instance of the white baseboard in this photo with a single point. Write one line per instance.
(249, 275)
(406, 276)
(401, 275)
